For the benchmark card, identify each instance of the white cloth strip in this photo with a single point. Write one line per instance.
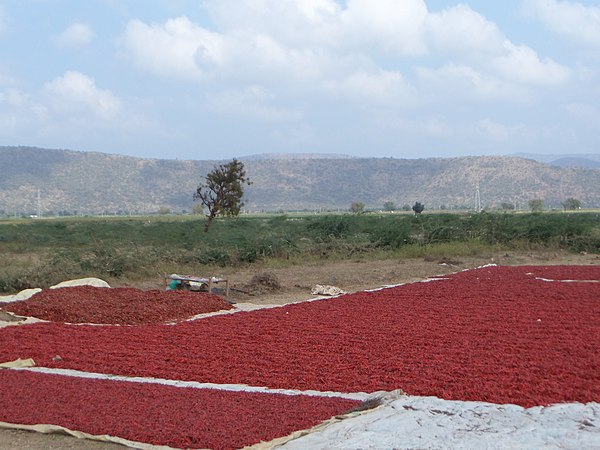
(567, 281)
(361, 396)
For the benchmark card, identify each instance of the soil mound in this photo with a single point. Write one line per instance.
(263, 283)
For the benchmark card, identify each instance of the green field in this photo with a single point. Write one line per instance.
(41, 252)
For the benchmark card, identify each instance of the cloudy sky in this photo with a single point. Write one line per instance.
(214, 79)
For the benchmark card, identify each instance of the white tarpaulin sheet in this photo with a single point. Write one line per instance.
(431, 423)
(28, 293)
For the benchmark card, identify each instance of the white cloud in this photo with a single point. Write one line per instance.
(378, 87)
(458, 81)
(522, 64)
(299, 137)
(13, 97)
(7, 79)
(254, 102)
(260, 58)
(496, 131)
(72, 111)
(75, 93)
(306, 39)
(18, 108)
(583, 112)
(393, 26)
(460, 29)
(473, 38)
(178, 48)
(431, 126)
(13, 103)
(366, 51)
(293, 22)
(291, 36)
(381, 26)
(76, 35)
(572, 19)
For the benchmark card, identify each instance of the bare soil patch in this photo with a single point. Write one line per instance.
(297, 282)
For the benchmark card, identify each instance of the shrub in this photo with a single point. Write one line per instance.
(329, 226)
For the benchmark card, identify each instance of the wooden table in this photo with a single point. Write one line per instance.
(209, 282)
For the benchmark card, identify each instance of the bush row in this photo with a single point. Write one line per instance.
(140, 248)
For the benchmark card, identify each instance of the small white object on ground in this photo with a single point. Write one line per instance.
(327, 290)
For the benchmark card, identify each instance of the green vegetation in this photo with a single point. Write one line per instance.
(42, 252)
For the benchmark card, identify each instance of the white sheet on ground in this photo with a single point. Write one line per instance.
(23, 295)
(18, 363)
(27, 293)
(331, 291)
(432, 423)
(96, 282)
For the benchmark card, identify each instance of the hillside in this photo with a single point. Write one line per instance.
(95, 183)
(589, 161)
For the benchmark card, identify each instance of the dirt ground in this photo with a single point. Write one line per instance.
(296, 284)
(357, 275)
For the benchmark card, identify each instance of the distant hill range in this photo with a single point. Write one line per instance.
(589, 161)
(69, 182)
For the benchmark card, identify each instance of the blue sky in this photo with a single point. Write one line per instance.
(216, 79)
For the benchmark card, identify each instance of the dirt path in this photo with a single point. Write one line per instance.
(296, 284)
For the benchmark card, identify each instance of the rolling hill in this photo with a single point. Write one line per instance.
(68, 182)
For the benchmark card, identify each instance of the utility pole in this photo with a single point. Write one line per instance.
(477, 199)
(39, 204)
